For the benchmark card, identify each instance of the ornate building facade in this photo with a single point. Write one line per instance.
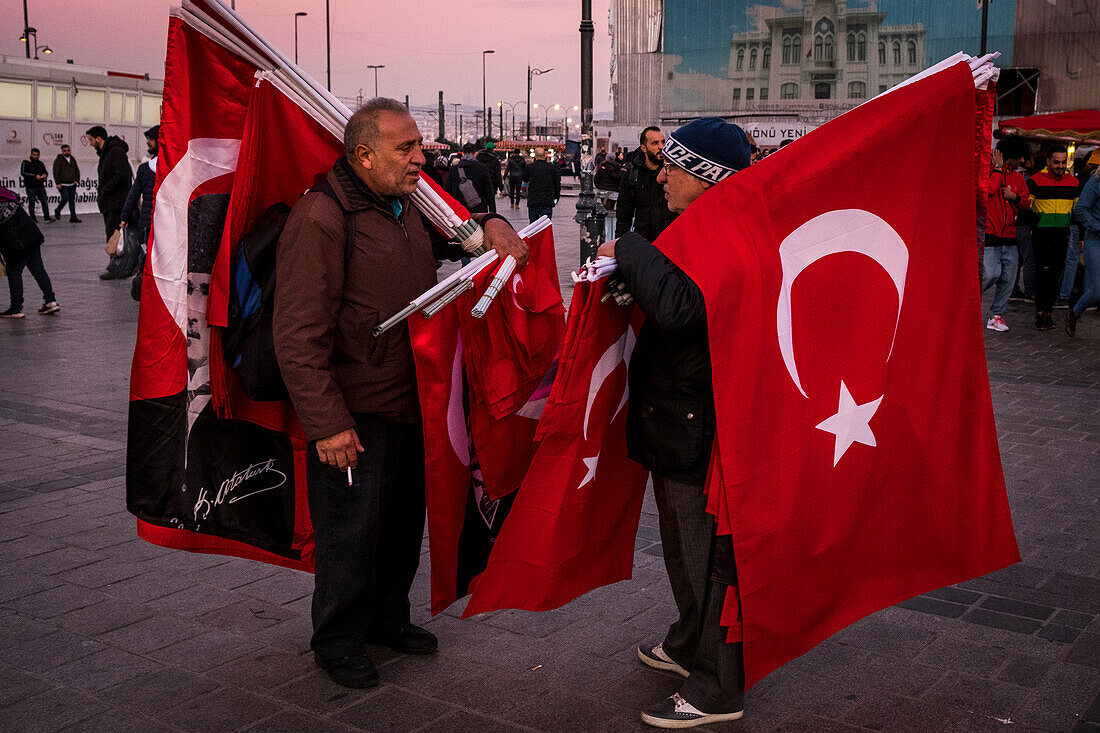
(823, 55)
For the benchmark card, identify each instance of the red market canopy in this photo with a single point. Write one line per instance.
(1081, 125)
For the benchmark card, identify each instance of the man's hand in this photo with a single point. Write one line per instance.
(340, 450)
(607, 249)
(997, 158)
(501, 237)
(1009, 194)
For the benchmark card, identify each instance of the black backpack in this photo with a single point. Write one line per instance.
(248, 340)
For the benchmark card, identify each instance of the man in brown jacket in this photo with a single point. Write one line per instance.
(355, 393)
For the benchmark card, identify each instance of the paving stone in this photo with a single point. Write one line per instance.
(812, 693)
(1057, 632)
(237, 573)
(291, 635)
(978, 659)
(65, 558)
(16, 628)
(317, 693)
(153, 633)
(393, 709)
(205, 650)
(955, 595)
(244, 617)
(107, 615)
(536, 625)
(1072, 619)
(264, 669)
(935, 606)
(103, 669)
(988, 697)
(1002, 621)
(159, 690)
(280, 589)
(195, 600)
(117, 721)
(49, 651)
(1017, 608)
(802, 722)
(55, 601)
(886, 638)
(19, 685)
(217, 711)
(50, 711)
(597, 639)
(27, 546)
(464, 722)
(561, 711)
(1063, 697)
(1086, 651)
(1025, 671)
(296, 722)
(147, 586)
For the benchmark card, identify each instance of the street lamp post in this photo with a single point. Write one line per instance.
(376, 67)
(512, 106)
(484, 107)
(590, 213)
(458, 130)
(26, 26)
(28, 33)
(299, 14)
(328, 49)
(532, 72)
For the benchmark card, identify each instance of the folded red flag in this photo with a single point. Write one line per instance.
(574, 519)
(859, 463)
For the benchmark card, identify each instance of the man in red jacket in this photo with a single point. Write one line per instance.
(1008, 195)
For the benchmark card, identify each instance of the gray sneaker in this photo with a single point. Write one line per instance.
(676, 712)
(48, 308)
(655, 656)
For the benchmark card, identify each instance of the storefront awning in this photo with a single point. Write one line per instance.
(1081, 125)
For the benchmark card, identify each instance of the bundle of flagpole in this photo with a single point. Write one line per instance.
(319, 103)
(981, 69)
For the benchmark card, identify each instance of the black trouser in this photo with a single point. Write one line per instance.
(111, 222)
(38, 194)
(696, 640)
(1050, 245)
(367, 536)
(515, 188)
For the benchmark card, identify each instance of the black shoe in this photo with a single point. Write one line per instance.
(12, 312)
(1071, 323)
(46, 218)
(108, 276)
(74, 220)
(676, 712)
(407, 639)
(357, 671)
(656, 657)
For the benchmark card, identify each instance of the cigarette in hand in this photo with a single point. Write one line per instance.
(349, 475)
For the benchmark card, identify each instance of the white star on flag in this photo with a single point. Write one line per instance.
(590, 465)
(850, 424)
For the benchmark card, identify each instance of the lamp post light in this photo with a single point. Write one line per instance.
(299, 14)
(484, 107)
(511, 106)
(532, 72)
(29, 33)
(458, 130)
(376, 67)
(590, 213)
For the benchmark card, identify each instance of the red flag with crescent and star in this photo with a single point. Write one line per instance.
(857, 461)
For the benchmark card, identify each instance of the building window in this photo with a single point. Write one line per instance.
(897, 53)
(766, 62)
(881, 88)
(736, 98)
(796, 50)
(763, 94)
(819, 48)
(88, 105)
(822, 91)
(861, 47)
(789, 91)
(882, 52)
(787, 50)
(740, 59)
(150, 110)
(750, 94)
(912, 52)
(752, 58)
(829, 44)
(851, 46)
(857, 90)
(15, 99)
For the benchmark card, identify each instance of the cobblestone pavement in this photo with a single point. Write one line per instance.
(100, 631)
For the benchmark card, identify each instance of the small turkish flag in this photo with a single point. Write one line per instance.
(858, 462)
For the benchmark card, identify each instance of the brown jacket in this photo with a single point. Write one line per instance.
(326, 304)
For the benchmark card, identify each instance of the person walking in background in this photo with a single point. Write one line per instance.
(1087, 211)
(1082, 169)
(21, 247)
(34, 176)
(1007, 195)
(514, 169)
(642, 207)
(543, 186)
(137, 214)
(66, 174)
(1053, 192)
(488, 158)
(113, 183)
(470, 183)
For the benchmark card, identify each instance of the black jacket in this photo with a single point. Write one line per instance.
(516, 165)
(477, 174)
(115, 175)
(543, 184)
(671, 422)
(492, 164)
(29, 169)
(65, 172)
(641, 206)
(608, 175)
(140, 193)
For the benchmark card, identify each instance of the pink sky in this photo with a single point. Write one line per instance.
(426, 45)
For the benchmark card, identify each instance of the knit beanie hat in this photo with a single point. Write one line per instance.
(708, 148)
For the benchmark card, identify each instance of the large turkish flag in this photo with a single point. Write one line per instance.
(858, 462)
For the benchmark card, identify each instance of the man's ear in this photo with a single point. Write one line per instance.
(365, 156)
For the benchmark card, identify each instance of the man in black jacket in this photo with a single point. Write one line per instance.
(670, 430)
(471, 183)
(489, 159)
(543, 186)
(641, 205)
(66, 174)
(115, 177)
(34, 176)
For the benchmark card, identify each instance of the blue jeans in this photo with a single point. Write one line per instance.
(38, 271)
(1073, 253)
(68, 196)
(533, 213)
(999, 266)
(1091, 296)
(37, 194)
